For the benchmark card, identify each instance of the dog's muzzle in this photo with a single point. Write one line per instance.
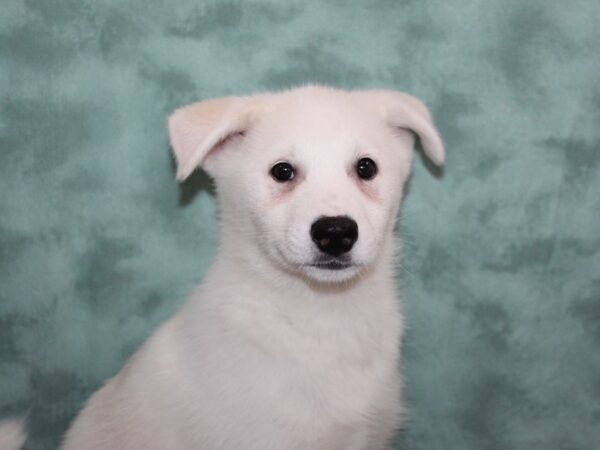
(334, 236)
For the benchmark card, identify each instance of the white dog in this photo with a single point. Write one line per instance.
(292, 340)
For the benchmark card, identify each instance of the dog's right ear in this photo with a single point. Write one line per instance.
(405, 112)
(198, 130)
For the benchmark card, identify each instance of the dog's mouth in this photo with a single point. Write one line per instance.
(332, 264)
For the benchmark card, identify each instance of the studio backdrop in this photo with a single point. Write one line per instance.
(500, 278)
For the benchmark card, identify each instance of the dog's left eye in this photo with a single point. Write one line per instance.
(366, 168)
(282, 172)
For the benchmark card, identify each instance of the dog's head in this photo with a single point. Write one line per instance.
(310, 179)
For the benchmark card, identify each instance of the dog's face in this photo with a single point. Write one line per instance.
(312, 178)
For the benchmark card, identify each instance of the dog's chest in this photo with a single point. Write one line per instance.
(300, 380)
(328, 366)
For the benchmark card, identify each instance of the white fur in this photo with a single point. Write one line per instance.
(270, 353)
(12, 435)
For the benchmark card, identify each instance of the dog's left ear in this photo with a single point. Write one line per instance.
(403, 111)
(198, 130)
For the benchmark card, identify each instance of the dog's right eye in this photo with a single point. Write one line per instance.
(282, 172)
(366, 168)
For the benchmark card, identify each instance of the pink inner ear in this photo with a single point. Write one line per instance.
(405, 134)
(183, 135)
(231, 136)
(225, 140)
(403, 131)
(201, 128)
(424, 132)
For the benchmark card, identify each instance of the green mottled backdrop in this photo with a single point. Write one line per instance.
(501, 272)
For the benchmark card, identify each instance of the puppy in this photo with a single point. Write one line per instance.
(292, 340)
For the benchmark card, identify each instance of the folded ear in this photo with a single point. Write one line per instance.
(199, 129)
(401, 110)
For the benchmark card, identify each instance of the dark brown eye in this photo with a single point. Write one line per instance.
(282, 172)
(366, 168)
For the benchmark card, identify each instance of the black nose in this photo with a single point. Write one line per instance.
(334, 235)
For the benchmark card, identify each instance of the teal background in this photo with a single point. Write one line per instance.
(501, 279)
